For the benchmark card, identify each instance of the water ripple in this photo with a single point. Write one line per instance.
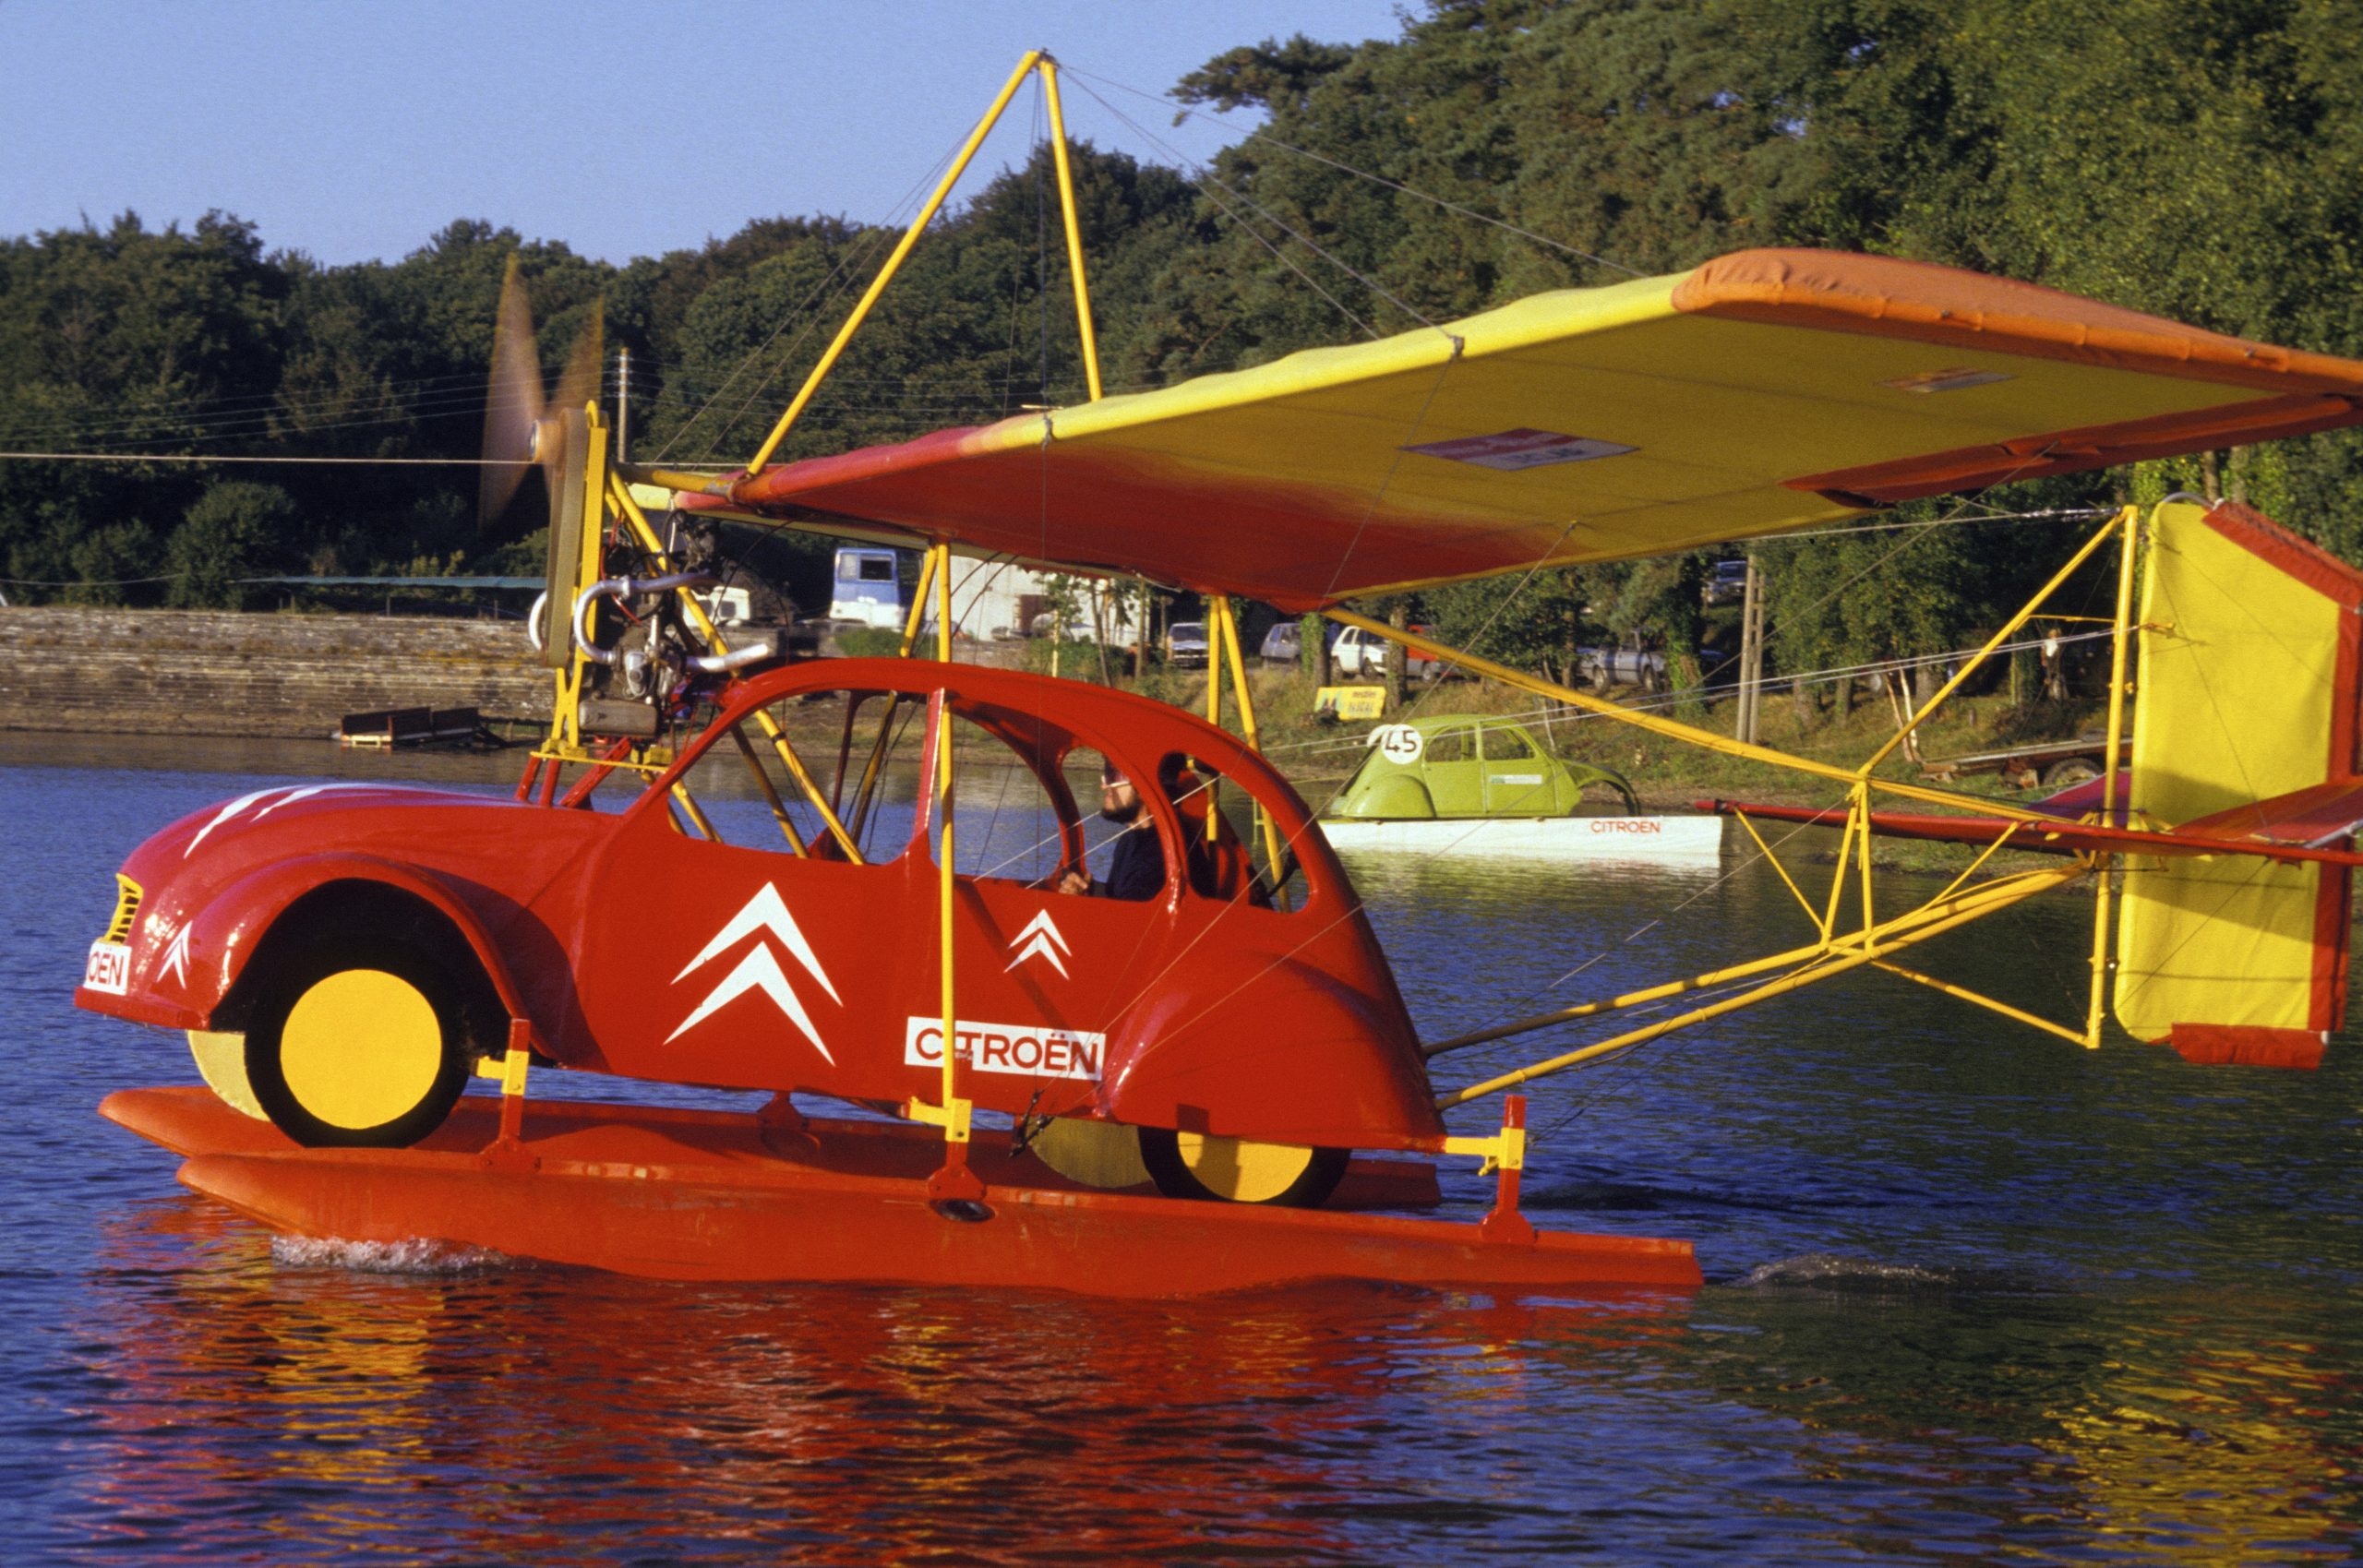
(1978, 1298)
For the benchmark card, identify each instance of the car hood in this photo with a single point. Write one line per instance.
(279, 806)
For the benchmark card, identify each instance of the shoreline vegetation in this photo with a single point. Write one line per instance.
(1487, 151)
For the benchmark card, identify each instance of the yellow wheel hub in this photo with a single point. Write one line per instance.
(1240, 1170)
(360, 1048)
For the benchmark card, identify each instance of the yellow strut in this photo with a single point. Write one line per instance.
(1782, 871)
(2104, 862)
(894, 263)
(1049, 70)
(1963, 993)
(1238, 663)
(1215, 608)
(954, 1115)
(1975, 900)
(1674, 729)
(705, 629)
(771, 797)
(2026, 613)
(1993, 896)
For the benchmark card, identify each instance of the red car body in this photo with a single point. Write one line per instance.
(633, 947)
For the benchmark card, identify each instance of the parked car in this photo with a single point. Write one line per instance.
(1362, 656)
(1186, 644)
(1078, 628)
(1623, 667)
(1284, 645)
(1726, 583)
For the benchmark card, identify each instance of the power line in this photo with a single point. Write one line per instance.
(225, 458)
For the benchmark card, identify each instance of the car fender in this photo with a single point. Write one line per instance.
(229, 930)
(1323, 1062)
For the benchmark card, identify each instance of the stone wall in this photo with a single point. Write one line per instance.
(208, 672)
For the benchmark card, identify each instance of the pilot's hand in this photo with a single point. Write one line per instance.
(1075, 883)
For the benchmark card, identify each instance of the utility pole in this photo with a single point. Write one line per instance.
(1751, 655)
(623, 401)
(1398, 657)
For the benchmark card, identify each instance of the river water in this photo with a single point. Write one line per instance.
(1973, 1295)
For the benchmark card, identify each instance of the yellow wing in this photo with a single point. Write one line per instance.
(1764, 391)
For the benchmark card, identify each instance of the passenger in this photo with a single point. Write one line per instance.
(1136, 869)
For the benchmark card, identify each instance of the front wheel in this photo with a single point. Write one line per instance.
(359, 1043)
(1239, 1170)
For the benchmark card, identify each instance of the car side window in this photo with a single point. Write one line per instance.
(1006, 821)
(1084, 770)
(1457, 745)
(855, 752)
(1236, 850)
(1506, 746)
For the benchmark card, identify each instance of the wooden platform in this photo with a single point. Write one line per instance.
(686, 1194)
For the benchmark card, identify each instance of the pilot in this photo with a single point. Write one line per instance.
(1136, 869)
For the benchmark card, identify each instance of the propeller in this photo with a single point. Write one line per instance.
(520, 426)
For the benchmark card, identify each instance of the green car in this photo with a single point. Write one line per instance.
(1465, 765)
(1466, 783)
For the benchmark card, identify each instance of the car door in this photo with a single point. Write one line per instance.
(1040, 974)
(723, 942)
(1517, 779)
(1451, 768)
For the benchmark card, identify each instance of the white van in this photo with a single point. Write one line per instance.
(1363, 655)
(868, 588)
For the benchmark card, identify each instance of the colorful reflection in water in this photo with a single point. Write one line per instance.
(1976, 1298)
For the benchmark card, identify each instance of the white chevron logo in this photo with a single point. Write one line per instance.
(1041, 939)
(760, 971)
(176, 958)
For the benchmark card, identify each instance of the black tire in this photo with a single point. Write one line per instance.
(1161, 1152)
(295, 976)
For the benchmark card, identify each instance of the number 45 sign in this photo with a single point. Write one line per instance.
(1399, 744)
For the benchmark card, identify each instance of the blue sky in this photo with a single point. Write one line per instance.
(356, 129)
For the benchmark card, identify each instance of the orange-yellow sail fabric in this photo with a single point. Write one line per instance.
(1766, 390)
(2247, 692)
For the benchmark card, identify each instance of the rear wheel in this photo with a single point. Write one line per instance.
(360, 1043)
(1240, 1170)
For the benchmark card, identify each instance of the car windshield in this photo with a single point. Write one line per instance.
(1189, 629)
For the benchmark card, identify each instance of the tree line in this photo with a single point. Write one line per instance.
(2197, 158)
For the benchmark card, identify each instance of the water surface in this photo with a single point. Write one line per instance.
(1975, 1296)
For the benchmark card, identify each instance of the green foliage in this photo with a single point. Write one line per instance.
(2201, 159)
(235, 529)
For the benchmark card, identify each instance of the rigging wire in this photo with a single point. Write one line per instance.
(1207, 176)
(832, 286)
(1555, 714)
(231, 458)
(1264, 136)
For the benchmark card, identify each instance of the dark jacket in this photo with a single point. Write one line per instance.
(1136, 869)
